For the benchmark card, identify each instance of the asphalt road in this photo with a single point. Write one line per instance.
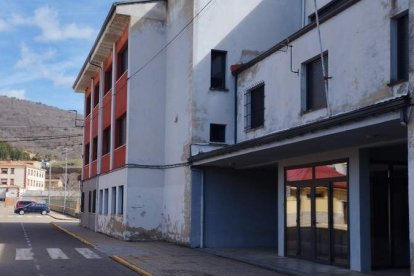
(30, 245)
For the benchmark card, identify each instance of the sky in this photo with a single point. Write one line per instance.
(43, 45)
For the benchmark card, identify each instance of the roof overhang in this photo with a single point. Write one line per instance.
(377, 124)
(117, 20)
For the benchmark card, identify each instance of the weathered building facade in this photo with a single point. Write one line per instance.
(307, 147)
(149, 101)
(327, 112)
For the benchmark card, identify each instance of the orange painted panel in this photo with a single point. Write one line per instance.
(94, 166)
(105, 163)
(85, 172)
(119, 157)
(121, 95)
(87, 130)
(95, 121)
(106, 112)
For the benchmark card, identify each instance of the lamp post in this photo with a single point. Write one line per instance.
(66, 179)
(48, 165)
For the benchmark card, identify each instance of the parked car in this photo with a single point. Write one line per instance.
(23, 207)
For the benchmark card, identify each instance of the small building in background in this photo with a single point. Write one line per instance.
(16, 177)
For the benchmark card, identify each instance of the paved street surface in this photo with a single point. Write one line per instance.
(30, 245)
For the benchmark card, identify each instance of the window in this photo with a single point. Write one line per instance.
(123, 61)
(106, 201)
(106, 140)
(82, 202)
(96, 94)
(315, 84)
(217, 133)
(121, 131)
(218, 70)
(90, 202)
(94, 202)
(4, 181)
(108, 79)
(4, 170)
(95, 148)
(399, 48)
(100, 201)
(113, 201)
(254, 107)
(11, 170)
(12, 181)
(120, 200)
(86, 156)
(88, 105)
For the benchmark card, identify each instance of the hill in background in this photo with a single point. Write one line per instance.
(40, 129)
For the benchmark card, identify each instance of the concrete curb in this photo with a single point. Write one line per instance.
(73, 235)
(133, 267)
(65, 219)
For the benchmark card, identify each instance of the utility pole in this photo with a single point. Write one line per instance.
(50, 181)
(66, 179)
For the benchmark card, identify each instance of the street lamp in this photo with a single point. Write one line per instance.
(66, 179)
(48, 165)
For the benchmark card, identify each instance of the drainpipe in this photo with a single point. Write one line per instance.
(303, 13)
(235, 108)
(202, 210)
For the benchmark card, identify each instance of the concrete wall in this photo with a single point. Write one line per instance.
(359, 64)
(176, 195)
(143, 204)
(190, 105)
(245, 32)
(240, 208)
(146, 93)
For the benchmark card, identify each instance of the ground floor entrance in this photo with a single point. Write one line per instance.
(389, 210)
(317, 213)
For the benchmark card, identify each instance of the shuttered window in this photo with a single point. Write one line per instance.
(254, 107)
(315, 87)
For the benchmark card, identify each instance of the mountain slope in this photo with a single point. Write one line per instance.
(39, 129)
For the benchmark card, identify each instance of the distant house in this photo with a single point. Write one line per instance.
(16, 177)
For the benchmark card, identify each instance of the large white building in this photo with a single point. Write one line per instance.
(304, 146)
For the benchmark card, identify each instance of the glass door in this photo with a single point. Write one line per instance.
(322, 201)
(305, 222)
(317, 213)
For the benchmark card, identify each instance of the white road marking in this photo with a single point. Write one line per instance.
(56, 253)
(38, 267)
(87, 253)
(24, 254)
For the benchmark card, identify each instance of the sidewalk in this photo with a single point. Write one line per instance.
(163, 258)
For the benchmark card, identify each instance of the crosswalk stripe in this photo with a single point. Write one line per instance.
(56, 253)
(87, 253)
(24, 254)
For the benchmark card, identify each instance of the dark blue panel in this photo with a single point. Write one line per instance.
(240, 208)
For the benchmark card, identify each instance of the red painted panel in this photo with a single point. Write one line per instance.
(105, 163)
(106, 112)
(85, 172)
(119, 157)
(94, 166)
(95, 121)
(121, 95)
(87, 130)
